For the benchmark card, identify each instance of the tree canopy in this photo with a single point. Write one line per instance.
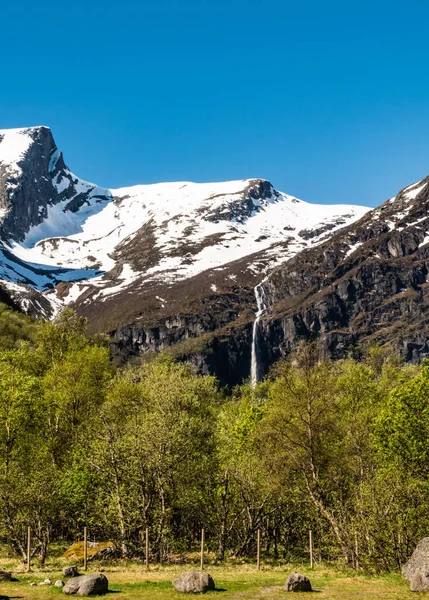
(341, 448)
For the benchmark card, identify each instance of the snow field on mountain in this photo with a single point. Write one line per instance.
(91, 236)
(183, 214)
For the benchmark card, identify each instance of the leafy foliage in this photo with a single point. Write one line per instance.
(337, 447)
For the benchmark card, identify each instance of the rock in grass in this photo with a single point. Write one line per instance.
(87, 585)
(297, 583)
(71, 571)
(419, 560)
(194, 582)
(59, 583)
(5, 576)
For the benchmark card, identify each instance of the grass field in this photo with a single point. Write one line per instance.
(131, 580)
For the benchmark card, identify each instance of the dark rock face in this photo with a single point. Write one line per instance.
(297, 583)
(224, 353)
(194, 582)
(87, 585)
(368, 283)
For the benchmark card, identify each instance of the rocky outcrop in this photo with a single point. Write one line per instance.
(214, 333)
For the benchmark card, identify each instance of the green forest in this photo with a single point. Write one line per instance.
(338, 447)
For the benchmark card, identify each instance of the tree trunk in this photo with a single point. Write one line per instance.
(224, 517)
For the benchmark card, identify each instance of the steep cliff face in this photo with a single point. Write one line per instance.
(368, 283)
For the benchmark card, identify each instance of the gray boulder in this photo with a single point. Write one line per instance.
(419, 560)
(70, 572)
(420, 581)
(87, 585)
(194, 582)
(297, 583)
(5, 576)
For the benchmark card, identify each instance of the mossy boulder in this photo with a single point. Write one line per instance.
(96, 551)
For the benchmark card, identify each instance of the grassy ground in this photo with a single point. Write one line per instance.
(131, 580)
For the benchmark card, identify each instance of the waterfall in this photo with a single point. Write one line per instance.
(261, 307)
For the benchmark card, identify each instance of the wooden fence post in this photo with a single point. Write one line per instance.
(85, 548)
(202, 550)
(147, 549)
(311, 548)
(356, 551)
(29, 549)
(258, 551)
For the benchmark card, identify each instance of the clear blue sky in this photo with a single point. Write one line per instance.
(328, 100)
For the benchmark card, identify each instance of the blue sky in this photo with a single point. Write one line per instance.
(328, 100)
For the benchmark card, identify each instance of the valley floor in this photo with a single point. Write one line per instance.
(129, 581)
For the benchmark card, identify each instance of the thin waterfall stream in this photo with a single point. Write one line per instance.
(255, 369)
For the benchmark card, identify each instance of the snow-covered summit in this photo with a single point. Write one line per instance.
(57, 228)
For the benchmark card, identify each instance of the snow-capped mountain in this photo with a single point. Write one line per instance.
(65, 241)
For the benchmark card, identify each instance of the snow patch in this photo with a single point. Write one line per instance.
(414, 191)
(14, 144)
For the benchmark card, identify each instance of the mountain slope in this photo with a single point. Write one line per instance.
(154, 265)
(368, 284)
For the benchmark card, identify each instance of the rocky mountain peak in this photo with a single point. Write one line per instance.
(33, 177)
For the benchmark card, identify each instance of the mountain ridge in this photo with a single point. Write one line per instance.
(52, 223)
(174, 266)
